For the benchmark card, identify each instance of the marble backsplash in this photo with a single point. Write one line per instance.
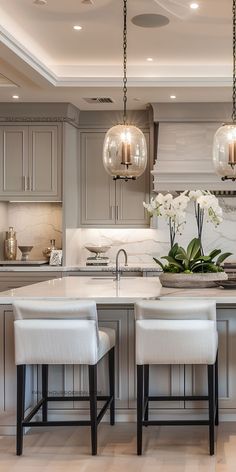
(35, 224)
(142, 244)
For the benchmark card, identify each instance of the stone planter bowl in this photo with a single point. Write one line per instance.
(197, 280)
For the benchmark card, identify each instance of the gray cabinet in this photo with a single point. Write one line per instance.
(30, 162)
(105, 202)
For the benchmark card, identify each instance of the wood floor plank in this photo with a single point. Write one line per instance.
(166, 449)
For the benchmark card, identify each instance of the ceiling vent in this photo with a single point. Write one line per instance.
(99, 100)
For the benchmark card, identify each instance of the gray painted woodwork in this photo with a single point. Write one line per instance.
(163, 379)
(105, 202)
(30, 162)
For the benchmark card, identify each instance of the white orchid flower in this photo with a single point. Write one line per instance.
(195, 194)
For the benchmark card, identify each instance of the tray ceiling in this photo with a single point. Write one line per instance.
(191, 55)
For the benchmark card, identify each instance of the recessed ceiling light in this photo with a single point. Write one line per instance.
(194, 6)
(149, 59)
(15, 97)
(40, 2)
(77, 27)
(172, 97)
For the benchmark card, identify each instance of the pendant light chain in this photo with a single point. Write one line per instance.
(234, 62)
(125, 60)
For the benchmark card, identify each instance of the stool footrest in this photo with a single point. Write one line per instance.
(27, 421)
(173, 398)
(75, 398)
(175, 422)
(56, 423)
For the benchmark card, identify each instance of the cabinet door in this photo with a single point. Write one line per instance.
(44, 177)
(97, 187)
(130, 197)
(13, 160)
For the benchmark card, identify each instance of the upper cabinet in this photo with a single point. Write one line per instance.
(105, 202)
(30, 162)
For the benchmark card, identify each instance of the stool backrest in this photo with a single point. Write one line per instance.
(55, 332)
(175, 309)
(176, 332)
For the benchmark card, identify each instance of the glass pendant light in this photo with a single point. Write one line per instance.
(224, 146)
(125, 149)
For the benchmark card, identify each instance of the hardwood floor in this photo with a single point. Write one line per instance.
(166, 449)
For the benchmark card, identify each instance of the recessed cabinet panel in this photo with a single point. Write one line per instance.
(130, 198)
(105, 202)
(30, 162)
(98, 190)
(14, 163)
(43, 159)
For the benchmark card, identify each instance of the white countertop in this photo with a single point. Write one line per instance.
(108, 291)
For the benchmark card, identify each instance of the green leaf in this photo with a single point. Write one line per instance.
(205, 267)
(204, 258)
(214, 253)
(222, 257)
(194, 249)
(181, 254)
(172, 261)
(158, 262)
(173, 251)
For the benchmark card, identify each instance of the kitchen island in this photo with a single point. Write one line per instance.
(115, 302)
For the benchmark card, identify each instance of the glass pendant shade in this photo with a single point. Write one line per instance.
(125, 152)
(224, 151)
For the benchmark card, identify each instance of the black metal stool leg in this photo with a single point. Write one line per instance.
(93, 406)
(112, 384)
(211, 389)
(139, 408)
(146, 390)
(216, 393)
(20, 408)
(45, 391)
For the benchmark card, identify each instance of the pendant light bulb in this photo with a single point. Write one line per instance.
(125, 149)
(224, 145)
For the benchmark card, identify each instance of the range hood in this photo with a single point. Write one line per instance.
(184, 140)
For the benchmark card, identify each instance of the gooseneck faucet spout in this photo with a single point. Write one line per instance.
(118, 272)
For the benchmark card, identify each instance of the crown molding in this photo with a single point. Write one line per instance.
(21, 51)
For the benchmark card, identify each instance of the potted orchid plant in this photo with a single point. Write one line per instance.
(189, 267)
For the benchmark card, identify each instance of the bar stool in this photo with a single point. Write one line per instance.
(176, 332)
(61, 332)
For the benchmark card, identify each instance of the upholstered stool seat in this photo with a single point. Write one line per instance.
(175, 332)
(48, 332)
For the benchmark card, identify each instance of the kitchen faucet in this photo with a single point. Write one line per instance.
(118, 272)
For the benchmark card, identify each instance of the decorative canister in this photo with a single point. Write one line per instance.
(48, 250)
(10, 245)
